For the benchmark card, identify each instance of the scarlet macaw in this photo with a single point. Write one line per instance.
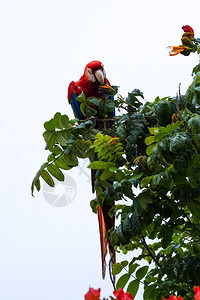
(94, 76)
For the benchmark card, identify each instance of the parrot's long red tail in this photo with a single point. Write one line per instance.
(105, 223)
(103, 240)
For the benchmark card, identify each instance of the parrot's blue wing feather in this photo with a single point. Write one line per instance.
(112, 97)
(76, 107)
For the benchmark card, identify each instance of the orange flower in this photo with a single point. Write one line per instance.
(107, 87)
(121, 295)
(112, 139)
(187, 46)
(177, 49)
(93, 294)
(197, 292)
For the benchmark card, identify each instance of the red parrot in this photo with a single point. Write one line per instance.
(94, 76)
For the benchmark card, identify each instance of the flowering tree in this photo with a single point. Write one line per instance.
(156, 147)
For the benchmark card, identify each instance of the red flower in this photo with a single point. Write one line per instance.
(188, 35)
(93, 294)
(174, 298)
(197, 292)
(120, 295)
(187, 28)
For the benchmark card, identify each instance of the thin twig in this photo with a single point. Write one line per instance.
(133, 276)
(195, 201)
(184, 122)
(149, 251)
(177, 104)
(180, 98)
(112, 278)
(193, 225)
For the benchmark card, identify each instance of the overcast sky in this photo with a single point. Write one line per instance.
(46, 251)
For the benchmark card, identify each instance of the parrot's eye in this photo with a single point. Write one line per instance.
(89, 71)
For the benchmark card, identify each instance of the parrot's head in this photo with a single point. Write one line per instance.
(94, 71)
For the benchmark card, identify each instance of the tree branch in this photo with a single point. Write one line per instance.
(149, 251)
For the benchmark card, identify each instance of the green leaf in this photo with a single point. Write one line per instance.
(81, 98)
(124, 263)
(101, 165)
(138, 93)
(149, 140)
(55, 171)
(153, 130)
(61, 163)
(119, 175)
(166, 236)
(50, 138)
(179, 141)
(56, 150)
(47, 177)
(65, 121)
(117, 268)
(106, 174)
(135, 223)
(150, 149)
(90, 111)
(51, 141)
(70, 159)
(122, 281)
(127, 227)
(148, 290)
(58, 121)
(60, 138)
(123, 238)
(94, 101)
(49, 125)
(154, 294)
(82, 108)
(159, 136)
(156, 179)
(113, 169)
(144, 198)
(194, 122)
(142, 272)
(133, 287)
(145, 181)
(132, 268)
(171, 127)
(110, 105)
(47, 135)
(35, 183)
(50, 158)
(32, 187)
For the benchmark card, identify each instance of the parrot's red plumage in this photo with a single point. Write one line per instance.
(93, 77)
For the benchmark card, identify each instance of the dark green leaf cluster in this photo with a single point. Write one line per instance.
(66, 141)
(152, 146)
(132, 273)
(100, 107)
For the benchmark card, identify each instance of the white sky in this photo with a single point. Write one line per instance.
(48, 252)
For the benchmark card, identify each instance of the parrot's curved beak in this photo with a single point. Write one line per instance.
(99, 76)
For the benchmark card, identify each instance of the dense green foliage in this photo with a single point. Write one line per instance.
(152, 146)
